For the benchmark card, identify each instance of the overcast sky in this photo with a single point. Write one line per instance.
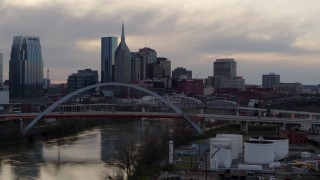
(280, 36)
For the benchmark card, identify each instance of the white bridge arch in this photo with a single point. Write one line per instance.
(65, 98)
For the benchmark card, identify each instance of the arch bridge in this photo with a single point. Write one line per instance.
(74, 93)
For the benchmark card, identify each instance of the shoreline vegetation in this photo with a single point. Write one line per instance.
(10, 133)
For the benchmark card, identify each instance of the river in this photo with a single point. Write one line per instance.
(83, 156)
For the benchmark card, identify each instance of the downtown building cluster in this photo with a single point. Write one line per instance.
(118, 64)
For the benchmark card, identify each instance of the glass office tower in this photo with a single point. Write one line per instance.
(25, 68)
(108, 48)
(225, 67)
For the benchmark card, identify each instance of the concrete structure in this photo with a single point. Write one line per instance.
(170, 151)
(157, 71)
(194, 87)
(26, 68)
(150, 57)
(122, 66)
(225, 67)
(166, 66)
(180, 71)
(162, 69)
(225, 75)
(288, 88)
(269, 80)
(239, 137)
(137, 67)
(208, 91)
(281, 146)
(108, 49)
(234, 145)
(220, 155)
(4, 97)
(218, 82)
(258, 152)
(82, 79)
(208, 82)
(237, 83)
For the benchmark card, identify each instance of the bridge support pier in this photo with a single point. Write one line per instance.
(314, 129)
(144, 109)
(21, 125)
(202, 111)
(244, 126)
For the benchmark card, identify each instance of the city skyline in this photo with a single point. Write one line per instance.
(280, 37)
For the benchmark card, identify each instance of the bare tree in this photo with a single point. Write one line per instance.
(126, 159)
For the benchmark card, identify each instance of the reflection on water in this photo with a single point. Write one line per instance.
(87, 155)
(87, 145)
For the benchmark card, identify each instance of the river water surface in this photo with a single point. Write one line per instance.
(86, 155)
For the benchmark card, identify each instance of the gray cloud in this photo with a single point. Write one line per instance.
(262, 37)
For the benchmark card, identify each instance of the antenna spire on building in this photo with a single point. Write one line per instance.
(122, 34)
(47, 73)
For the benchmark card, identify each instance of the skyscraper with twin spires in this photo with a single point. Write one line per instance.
(122, 66)
(25, 68)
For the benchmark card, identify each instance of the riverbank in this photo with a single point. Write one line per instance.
(10, 132)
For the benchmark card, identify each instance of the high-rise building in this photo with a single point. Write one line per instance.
(150, 57)
(180, 71)
(108, 49)
(1, 69)
(269, 80)
(225, 74)
(225, 67)
(82, 79)
(208, 82)
(136, 64)
(25, 68)
(166, 65)
(122, 66)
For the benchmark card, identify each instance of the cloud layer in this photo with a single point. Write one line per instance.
(262, 36)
